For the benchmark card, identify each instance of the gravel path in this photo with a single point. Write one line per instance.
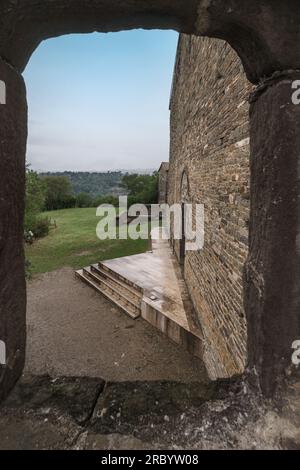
(72, 330)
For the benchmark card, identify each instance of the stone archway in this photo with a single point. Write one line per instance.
(265, 34)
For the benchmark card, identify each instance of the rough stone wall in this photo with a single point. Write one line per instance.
(210, 143)
(163, 183)
(13, 134)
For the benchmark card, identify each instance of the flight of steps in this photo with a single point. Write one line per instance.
(120, 291)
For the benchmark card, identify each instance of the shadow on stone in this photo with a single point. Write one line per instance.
(73, 397)
(125, 406)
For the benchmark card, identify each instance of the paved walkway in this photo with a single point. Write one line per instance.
(166, 303)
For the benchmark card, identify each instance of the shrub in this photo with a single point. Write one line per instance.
(108, 199)
(58, 193)
(141, 189)
(84, 200)
(35, 199)
(69, 202)
(40, 227)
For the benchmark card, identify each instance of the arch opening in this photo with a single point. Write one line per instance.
(274, 31)
(100, 353)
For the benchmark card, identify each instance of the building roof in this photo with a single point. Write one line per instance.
(164, 166)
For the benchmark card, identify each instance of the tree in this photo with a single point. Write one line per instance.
(141, 189)
(35, 193)
(84, 200)
(108, 199)
(58, 193)
(34, 204)
(96, 184)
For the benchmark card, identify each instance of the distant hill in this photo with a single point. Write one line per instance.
(139, 171)
(95, 184)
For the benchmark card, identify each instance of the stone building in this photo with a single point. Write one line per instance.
(163, 183)
(209, 164)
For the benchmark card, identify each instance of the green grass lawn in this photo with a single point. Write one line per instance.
(74, 243)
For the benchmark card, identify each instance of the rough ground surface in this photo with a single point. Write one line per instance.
(139, 403)
(86, 413)
(73, 331)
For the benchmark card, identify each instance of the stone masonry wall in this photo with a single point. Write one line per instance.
(210, 143)
(163, 183)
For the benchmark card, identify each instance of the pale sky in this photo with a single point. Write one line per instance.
(100, 102)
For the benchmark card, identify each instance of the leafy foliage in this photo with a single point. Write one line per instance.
(35, 196)
(141, 189)
(62, 189)
(109, 199)
(84, 200)
(94, 184)
(34, 204)
(58, 193)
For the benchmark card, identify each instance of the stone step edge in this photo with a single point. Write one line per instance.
(121, 278)
(144, 300)
(173, 330)
(103, 272)
(80, 274)
(107, 283)
(194, 330)
(189, 340)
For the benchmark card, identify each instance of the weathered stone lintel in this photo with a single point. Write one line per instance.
(264, 34)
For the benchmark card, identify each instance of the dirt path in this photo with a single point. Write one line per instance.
(72, 330)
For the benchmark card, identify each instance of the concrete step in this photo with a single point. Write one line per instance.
(109, 284)
(121, 278)
(120, 286)
(117, 293)
(108, 291)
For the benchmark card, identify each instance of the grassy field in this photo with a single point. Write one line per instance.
(74, 243)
